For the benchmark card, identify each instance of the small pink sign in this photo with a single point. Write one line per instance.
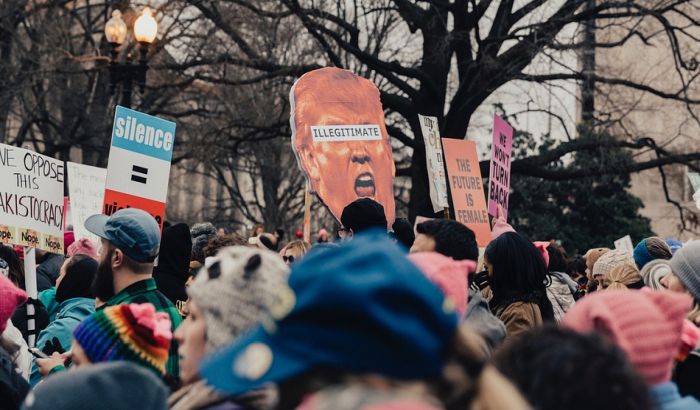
(499, 173)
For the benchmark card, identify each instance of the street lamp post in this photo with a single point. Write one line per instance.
(127, 73)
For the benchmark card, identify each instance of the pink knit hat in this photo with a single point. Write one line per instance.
(645, 324)
(82, 246)
(542, 247)
(500, 226)
(449, 275)
(10, 297)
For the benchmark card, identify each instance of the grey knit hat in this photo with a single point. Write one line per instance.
(201, 233)
(116, 385)
(685, 264)
(235, 290)
(653, 271)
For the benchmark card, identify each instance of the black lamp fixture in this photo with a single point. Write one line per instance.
(126, 73)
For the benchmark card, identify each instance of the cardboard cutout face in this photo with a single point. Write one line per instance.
(340, 139)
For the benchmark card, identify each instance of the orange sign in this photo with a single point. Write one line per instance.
(467, 187)
(340, 139)
(115, 201)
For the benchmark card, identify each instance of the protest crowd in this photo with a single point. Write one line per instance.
(124, 310)
(372, 320)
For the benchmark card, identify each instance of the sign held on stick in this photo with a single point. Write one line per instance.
(467, 187)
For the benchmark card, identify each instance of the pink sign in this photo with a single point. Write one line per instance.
(499, 173)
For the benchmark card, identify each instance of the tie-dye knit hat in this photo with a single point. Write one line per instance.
(135, 333)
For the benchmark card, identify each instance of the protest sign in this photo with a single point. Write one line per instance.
(467, 187)
(86, 189)
(31, 199)
(433, 158)
(499, 174)
(340, 140)
(625, 244)
(694, 180)
(139, 163)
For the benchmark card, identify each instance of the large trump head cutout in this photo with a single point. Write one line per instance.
(340, 139)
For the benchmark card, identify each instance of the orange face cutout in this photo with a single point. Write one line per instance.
(340, 139)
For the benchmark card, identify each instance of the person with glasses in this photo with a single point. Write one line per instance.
(294, 251)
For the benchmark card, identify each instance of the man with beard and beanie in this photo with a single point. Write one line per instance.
(363, 214)
(130, 243)
(173, 268)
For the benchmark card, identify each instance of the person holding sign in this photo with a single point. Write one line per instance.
(340, 140)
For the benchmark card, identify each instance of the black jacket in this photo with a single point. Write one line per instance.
(13, 388)
(174, 262)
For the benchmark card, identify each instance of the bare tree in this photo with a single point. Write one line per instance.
(445, 58)
(435, 57)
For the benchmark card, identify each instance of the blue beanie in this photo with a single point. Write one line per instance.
(674, 245)
(641, 254)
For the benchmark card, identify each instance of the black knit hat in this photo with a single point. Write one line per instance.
(363, 214)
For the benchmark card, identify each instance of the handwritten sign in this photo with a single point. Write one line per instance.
(625, 244)
(31, 199)
(433, 158)
(467, 187)
(499, 175)
(86, 189)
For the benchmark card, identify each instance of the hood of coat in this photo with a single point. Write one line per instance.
(175, 252)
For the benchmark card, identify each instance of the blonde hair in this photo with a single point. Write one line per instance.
(299, 248)
(621, 277)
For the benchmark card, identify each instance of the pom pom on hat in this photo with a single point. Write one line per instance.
(135, 333)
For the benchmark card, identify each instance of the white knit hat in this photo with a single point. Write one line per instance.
(235, 290)
(610, 260)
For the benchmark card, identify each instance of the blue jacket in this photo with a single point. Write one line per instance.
(70, 313)
(666, 397)
(48, 299)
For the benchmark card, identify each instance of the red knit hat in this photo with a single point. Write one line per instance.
(68, 239)
(645, 324)
(449, 275)
(10, 297)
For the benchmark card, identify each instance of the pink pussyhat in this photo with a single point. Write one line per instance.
(690, 337)
(542, 247)
(10, 297)
(451, 276)
(500, 225)
(645, 324)
(82, 246)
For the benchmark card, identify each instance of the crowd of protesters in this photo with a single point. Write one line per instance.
(201, 318)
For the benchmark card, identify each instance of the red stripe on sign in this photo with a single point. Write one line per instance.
(115, 201)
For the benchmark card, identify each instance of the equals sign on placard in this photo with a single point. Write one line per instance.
(139, 174)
